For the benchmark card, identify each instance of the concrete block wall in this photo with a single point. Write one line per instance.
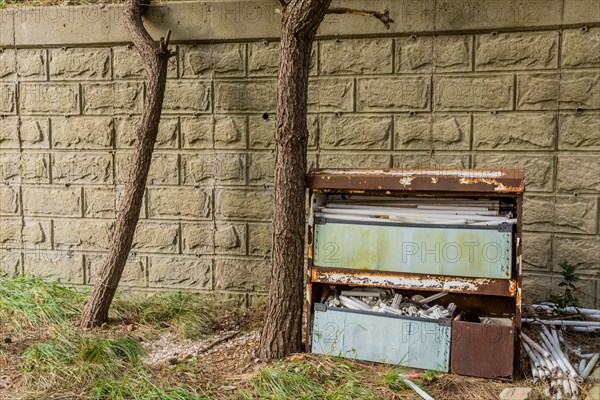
(476, 94)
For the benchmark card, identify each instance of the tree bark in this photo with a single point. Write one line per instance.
(156, 57)
(282, 333)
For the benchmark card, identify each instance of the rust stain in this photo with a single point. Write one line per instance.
(499, 186)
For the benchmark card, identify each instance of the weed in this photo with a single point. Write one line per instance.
(189, 314)
(28, 301)
(569, 279)
(308, 381)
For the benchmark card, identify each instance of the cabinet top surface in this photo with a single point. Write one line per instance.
(505, 181)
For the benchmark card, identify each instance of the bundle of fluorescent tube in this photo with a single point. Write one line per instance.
(428, 213)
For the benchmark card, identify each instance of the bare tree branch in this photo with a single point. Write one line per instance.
(384, 17)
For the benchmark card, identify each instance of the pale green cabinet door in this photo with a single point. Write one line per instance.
(410, 342)
(466, 252)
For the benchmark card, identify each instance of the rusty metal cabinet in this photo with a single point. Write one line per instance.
(397, 253)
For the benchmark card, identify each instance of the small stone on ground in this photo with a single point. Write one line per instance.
(518, 394)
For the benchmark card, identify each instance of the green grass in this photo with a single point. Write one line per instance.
(311, 381)
(188, 314)
(81, 364)
(28, 301)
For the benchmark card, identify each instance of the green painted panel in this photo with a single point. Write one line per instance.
(416, 343)
(477, 253)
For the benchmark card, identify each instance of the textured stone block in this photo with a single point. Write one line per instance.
(127, 64)
(576, 214)
(213, 60)
(243, 96)
(426, 131)
(473, 93)
(260, 239)
(511, 51)
(61, 265)
(134, 273)
(113, 98)
(186, 97)
(34, 133)
(539, 170)
(31, 167)
(357, 159)
(230, 238)
(9, 133)
(460, 15)
(514, 131)
(428, 160)
(582, 252)
(99, 202)
(211, 168)
(210, 238)
(82, 234)
(179, 203)
(9, 200)
(261, 168)
(579, 132)
(80, 64)
(126, 128)
(568, 90)
(156, 237)
(353, 132)
(52, 201)
(263, 59)
(10, 234)
(243, 204)
(197, 132)
(581, 48)
(242, 274)
(393, 94)
(198, 238)
(10, 168)
(578, 173)
(538, 213)
(49, 98)
(356, 56)
(164, 168)
(580, 11)
(519, 393)
(330, 95)
(262, 131)
(82, 132)
(36, 234)
(78, 167)
(10, 262)
(8, 64)
(8, 99)
(180, 272)
(425, 54)
(229, 132)
(31, 64)
(537, 254)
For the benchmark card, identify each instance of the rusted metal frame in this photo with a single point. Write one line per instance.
(434, 283)
(518, 246)
(510, 182)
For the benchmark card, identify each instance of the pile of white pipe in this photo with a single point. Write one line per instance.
(389, 302)
(589, 323)
(431, 214)
(550, 363)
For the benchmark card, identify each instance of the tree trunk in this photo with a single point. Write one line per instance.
(282, 333)
(156, 57)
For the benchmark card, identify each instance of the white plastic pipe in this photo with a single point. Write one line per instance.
(581, 367)
(554, 342)
(560, 322)
(535, 346)
(534, 359)
(586, 372)
(555, 356)
(418, 390)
